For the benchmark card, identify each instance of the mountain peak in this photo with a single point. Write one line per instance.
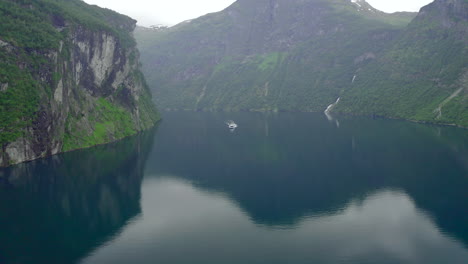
(449, 13)
(363, 5)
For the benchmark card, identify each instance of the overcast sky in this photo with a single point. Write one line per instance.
(171, 12)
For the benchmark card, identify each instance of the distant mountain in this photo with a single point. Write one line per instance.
(69, 79)
(266, 55)
(423, 75)
(302, 55)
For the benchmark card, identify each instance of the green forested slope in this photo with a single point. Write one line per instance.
(424, 75)
(303, 55)
(265, 55)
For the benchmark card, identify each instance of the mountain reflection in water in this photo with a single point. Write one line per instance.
(282, 188)
(59, 209)
(184, 224)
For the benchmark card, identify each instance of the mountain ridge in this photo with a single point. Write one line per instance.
(240, 58)
(302, 55)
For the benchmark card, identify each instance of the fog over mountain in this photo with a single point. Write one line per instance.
(172, 12)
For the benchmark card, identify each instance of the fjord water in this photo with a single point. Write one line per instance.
(281, 188)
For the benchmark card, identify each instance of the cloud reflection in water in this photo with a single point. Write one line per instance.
(183, 224)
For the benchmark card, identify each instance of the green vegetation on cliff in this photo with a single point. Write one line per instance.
(69, 78)
(32, 23)
(18, 99)
(109, 121)
(27, 33)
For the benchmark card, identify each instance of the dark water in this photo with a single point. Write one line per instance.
(281, 188)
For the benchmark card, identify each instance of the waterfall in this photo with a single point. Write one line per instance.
(330, 107)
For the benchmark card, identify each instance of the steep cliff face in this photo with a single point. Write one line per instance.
(70, 81)
(285, 55)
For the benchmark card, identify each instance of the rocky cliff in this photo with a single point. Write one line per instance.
(69, 78)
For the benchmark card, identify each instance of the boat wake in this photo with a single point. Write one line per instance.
(231, 124)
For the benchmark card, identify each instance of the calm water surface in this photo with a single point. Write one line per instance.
(281, 188)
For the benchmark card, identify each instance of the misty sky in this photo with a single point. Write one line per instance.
(171, 12)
